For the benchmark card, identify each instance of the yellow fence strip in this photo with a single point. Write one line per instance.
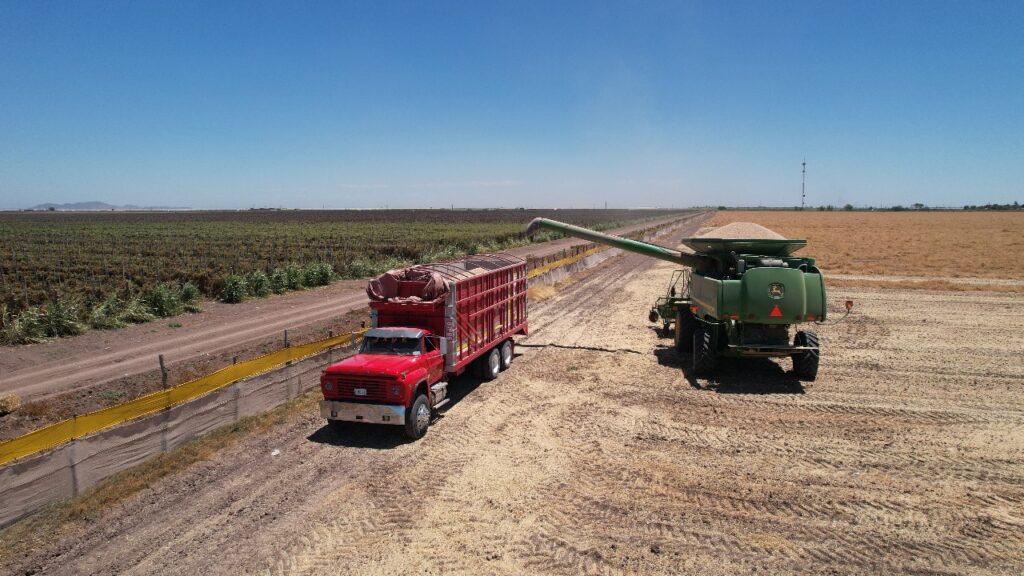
(54, 435)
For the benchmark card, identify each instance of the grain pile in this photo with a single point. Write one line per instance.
(744, 230)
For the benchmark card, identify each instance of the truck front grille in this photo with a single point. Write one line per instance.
(376, 388)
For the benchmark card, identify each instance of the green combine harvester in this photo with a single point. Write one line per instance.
(741, 298)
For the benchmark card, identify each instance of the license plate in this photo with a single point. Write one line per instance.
(359, 391)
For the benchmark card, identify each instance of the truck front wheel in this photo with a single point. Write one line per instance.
(418, 418)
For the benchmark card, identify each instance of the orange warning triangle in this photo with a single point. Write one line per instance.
(776, 313)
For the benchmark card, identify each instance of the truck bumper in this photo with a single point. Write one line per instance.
(369, 413)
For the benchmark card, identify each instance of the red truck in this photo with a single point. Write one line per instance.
(430, 323)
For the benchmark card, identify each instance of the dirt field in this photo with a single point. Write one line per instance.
(598, 453)
(930, 250)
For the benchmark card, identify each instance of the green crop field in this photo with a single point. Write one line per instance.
(85, 259)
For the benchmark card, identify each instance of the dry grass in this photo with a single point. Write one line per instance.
(77, 514)
(9, 403)
(540, 293)
(928, 244)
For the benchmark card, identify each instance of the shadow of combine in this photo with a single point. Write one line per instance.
(734, 375)
(387, 437)
(663, 332)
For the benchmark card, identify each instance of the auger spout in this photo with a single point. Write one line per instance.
(645, 248)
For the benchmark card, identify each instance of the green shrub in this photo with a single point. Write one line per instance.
(165, 301)
(107, 314)
(294, 276)
(360, 268)
(259, 284)
(25, 328)
(234, 290)
(318, 274)
(279, 281)
(60, 318)
(136, 311)
(190, 296)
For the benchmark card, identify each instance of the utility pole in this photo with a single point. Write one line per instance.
(803, 184)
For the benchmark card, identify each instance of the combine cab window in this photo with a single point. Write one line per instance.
(392, 346)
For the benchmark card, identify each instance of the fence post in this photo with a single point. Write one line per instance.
(163, 372)
(73, 466)
(286, 344)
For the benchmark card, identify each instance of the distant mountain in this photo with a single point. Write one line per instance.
(98, 206)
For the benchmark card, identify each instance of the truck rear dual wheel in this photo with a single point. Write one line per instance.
(705, 350)
(506, 354)
(417, 420)
(686, 327)
(805, 362)
(490, 365)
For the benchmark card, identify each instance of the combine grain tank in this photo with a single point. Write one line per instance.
(741, 298)
(430, 323)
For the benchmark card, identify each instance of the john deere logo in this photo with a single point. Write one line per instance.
(776, 290)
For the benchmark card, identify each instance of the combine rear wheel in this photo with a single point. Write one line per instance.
(805, 362)
(686, 326)
(705, 350)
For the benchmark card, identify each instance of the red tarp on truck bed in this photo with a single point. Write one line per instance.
(389, 286)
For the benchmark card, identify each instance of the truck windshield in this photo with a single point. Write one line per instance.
(395, 346)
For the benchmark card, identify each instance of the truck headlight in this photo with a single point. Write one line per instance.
(328, 385)
(396, 390)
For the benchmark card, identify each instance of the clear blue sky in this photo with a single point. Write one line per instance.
(304, 104)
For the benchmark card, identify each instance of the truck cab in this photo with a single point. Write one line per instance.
(383, 381)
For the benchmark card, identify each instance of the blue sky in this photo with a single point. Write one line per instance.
(549, 104)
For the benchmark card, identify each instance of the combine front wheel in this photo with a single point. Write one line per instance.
(686, 327)
(704, 350)
(805, 362)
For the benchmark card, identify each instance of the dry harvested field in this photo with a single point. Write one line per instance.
(597, 452)
(940, 250)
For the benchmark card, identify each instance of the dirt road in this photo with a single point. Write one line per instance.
(42, 370)
(597, 453)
